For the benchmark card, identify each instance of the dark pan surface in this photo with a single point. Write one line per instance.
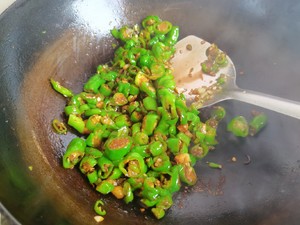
(67, 39)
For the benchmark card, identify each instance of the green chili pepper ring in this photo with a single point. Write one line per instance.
(116, 148)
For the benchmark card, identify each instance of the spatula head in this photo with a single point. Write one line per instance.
(190, 53)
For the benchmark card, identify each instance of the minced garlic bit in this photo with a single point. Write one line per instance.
(98, 219)
(233, 159)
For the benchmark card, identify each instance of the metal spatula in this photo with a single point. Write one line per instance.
(191, 52)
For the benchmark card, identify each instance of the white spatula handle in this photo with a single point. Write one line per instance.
(280, 105)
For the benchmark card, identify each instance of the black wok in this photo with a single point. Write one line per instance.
(67, 39)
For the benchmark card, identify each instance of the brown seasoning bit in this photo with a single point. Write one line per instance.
(142, 210)
(189, 47)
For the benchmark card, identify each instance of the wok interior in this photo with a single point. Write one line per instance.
(76, 40)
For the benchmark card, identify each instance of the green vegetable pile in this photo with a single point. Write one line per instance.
(138, 138)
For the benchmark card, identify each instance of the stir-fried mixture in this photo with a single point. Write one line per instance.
(138, 138)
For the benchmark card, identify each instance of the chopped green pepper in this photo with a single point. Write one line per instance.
(93, 152)
(150, 21)
(172, 36)
(218, 113)
(93, 84)
(116, 148)
(98, 208)
(165, 202)
(149, 123)
(187, 174)
(115, 174)
(171, 180)
(174, 145)
(127, 192)
(161, 163)
(109, 76)
(60, 89)
(93, 121)
(214, 165)
(120, 99)
(105, 187)
(59, 126)
(140, 138)
(72, 109)
(105, 90)
(133, 165)
(162, 27)
(106, 167)
(156, 148)
(136, 116)
(238, 126)
(142, 150)
(221, 59)
(74, 153)
(257, 123)
(87, 164)
(158, 212)
(168, 99)
(150, 103)
(199, 151)
(95, 138)
(92, 177)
